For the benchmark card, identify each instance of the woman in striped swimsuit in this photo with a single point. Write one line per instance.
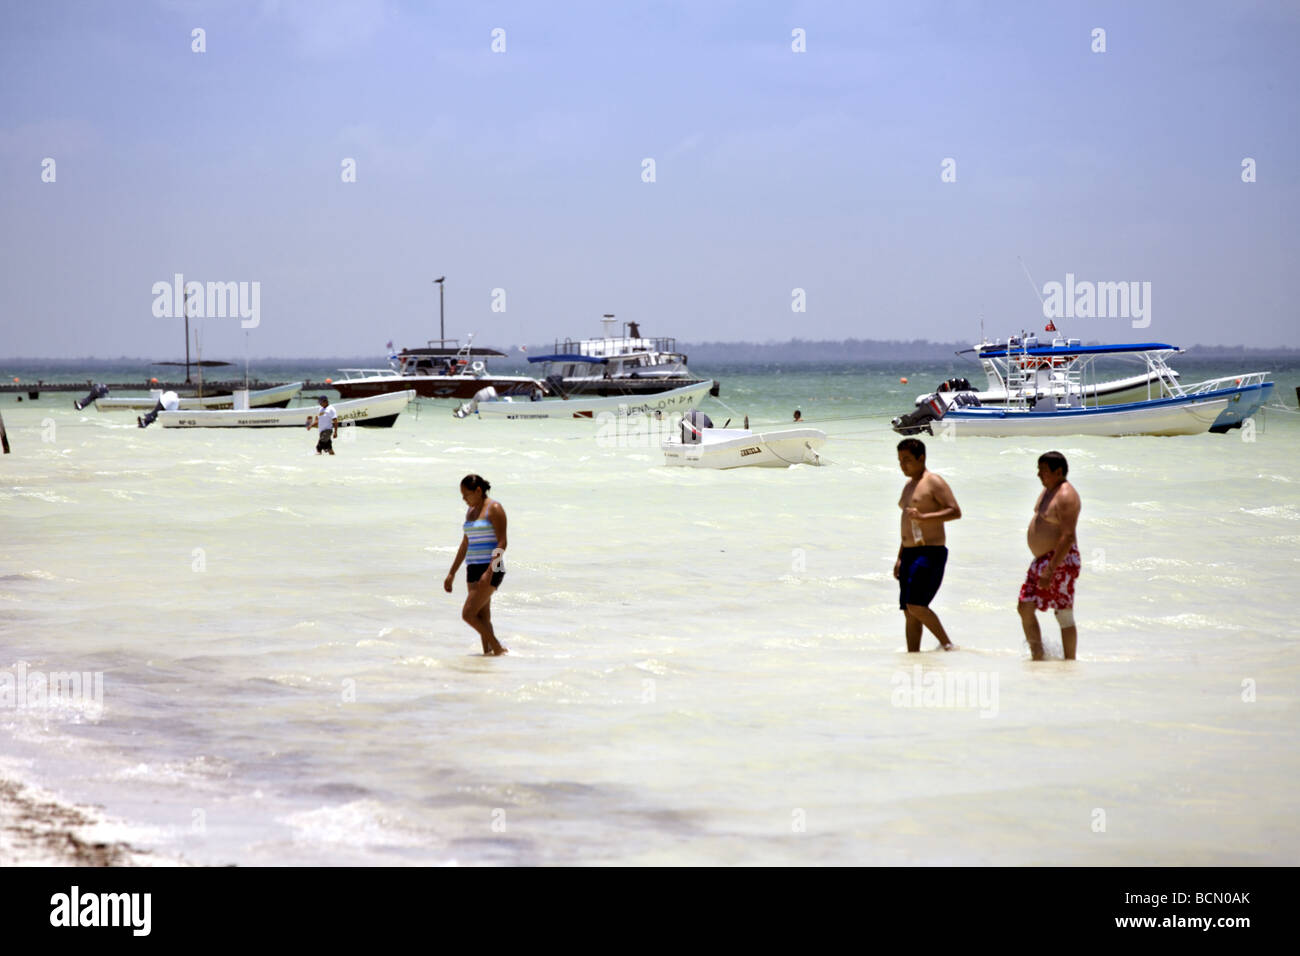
(482, 549)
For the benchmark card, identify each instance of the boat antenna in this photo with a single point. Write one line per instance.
(1041, 300)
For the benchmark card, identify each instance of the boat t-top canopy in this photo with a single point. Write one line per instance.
(1003, 351)
(561, 357)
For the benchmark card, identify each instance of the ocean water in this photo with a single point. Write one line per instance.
(704, 666)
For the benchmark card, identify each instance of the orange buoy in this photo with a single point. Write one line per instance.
(1238, 381)
(329, 381)
(153, 381)
(903, 380)
(15, 379)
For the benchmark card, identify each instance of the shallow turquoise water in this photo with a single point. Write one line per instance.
(704, 666)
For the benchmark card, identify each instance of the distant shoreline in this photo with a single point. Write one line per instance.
(794, 352)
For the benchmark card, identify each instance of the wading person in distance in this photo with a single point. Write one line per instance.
(927, 502)
(482, 548)
(327, 421)
(1049, 585)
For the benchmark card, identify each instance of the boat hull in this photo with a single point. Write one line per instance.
(278, 397)
(724, 448)
(677, 400)
(1135, 388)
(378, 412)
(1188, 415)
(628, 386)
(431, 386)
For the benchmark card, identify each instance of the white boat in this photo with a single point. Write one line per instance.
(745, 448)
(1047, 383)
(627, 364)
(997, 371)
(439, 371)
(487, 404)
(380, 411)
(279, 396)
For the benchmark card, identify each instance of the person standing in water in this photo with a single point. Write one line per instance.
(482, 548)
(927, 502)
(327, 424)
(1049, 585)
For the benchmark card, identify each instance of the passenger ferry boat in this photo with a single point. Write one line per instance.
(626, 364)
(1048, 395)
(438, 371)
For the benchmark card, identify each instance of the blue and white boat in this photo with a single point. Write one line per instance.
(625, 365)
(1052, 391)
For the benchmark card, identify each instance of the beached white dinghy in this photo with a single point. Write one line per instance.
(380, 411)
(743, 448)
(280, 396)
(518, 408)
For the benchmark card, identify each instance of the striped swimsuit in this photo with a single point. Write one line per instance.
(482, 541)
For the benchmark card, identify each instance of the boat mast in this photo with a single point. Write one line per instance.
(186, 309)
(442, 327)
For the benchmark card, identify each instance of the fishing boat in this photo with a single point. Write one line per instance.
(438, 371)
(708, 447)
(278, 397)
(1048, 396)
(379, 411)
(487, 404)
(1108, 391)
(626, 364)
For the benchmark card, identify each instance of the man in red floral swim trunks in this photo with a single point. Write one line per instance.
(1050, 581)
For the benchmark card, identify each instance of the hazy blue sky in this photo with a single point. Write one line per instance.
(522, 170)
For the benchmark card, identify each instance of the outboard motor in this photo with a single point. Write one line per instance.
(929, 410)
(488, 394)
(693, 423)
(96, 391)
(167, 402)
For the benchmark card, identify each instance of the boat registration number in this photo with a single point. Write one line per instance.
(749, 451)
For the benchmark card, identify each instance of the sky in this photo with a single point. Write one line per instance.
(905, 170)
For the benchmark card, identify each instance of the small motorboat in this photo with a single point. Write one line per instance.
(278, 397)
(1000, 368)
(380, 411)
(699, 445)
(1047, 385)
(487, 404)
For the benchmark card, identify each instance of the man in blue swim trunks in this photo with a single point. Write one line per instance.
(927, 502)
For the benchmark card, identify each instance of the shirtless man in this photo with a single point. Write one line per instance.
(1050, 581)
(927, 502)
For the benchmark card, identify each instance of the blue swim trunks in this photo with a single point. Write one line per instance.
(921, 574)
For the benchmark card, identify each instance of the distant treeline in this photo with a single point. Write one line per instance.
(794, 351)
(875, 350)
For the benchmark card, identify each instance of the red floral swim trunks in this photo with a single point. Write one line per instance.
(1059, 593)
